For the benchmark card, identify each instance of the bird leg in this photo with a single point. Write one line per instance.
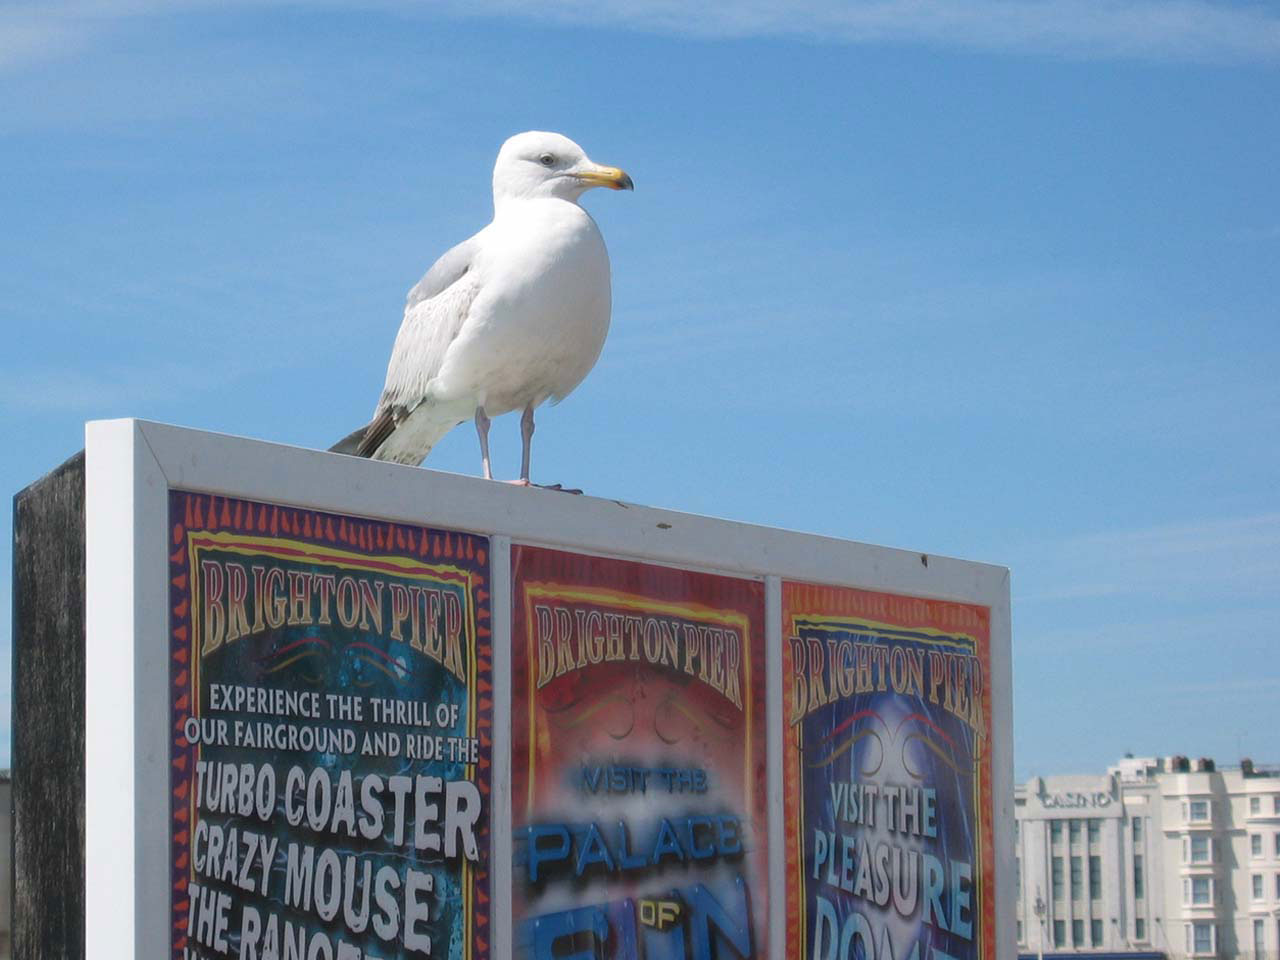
(526, 437)
(526, 434)
(482, 428)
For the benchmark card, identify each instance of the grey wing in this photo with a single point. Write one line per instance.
(448, 270)
(434, 313)
(430, 326)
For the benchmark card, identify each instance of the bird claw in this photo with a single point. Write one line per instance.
(559, 487)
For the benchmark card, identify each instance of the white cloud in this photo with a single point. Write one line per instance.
(30, 38)
(1160, 30)
(1231, 537)
(51, 390)
(1222, 558)
(1147, 29)
(1263, 684)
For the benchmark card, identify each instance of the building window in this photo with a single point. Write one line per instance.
(1200, 848)
(1056, 877)
(1201, 891)
(1016, 829)
(1077, 880)
(1203, 942)
(1137, 829)
(1139, 883)
(1017, 874)
(1055, 831)
(1275, 804)
(1059, 933)
(1278, 886)
(1073, 830)
(1255, 806)
(1200, 938)
(1095, 830)
(1077, 933)
(1255, 844)
(1095, 933)
(1259, 939)
(1139, 929)
(1020, 931)
(1277, 840)
(1199, 811)
(1095, 878)
(1257, 886)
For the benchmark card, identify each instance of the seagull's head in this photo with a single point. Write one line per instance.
(537, 165)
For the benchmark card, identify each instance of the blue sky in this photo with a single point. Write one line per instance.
(999, 280)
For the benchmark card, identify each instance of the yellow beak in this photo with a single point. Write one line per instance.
(610, 177)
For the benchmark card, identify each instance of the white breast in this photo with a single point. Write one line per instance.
(540, 318)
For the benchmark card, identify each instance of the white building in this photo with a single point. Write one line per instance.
(1157, 858)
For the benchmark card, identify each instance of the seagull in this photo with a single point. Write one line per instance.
(506, 320)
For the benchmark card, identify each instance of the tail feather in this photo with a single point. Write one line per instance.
(419, 431)
(404, 439)
(366, 441)
(350, 444)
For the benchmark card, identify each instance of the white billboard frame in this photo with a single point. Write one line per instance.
(131, 465)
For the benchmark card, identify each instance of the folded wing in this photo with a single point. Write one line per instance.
(435, 312)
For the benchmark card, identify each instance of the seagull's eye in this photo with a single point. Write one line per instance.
(547, 160)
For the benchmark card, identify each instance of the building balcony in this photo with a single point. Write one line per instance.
(1206, 911)
(1207, 869)
(1197, 826)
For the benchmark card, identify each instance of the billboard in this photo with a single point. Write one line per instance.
(638, 788)
(347, 730)
(887, 769)
(331, 721)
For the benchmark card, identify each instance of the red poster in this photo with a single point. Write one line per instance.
(638, 761)
(887, 776)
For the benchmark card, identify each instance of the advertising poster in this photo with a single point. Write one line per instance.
(887, 777)
(331, 721)
(638, 761)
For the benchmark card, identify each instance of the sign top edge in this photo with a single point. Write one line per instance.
(214, 462)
